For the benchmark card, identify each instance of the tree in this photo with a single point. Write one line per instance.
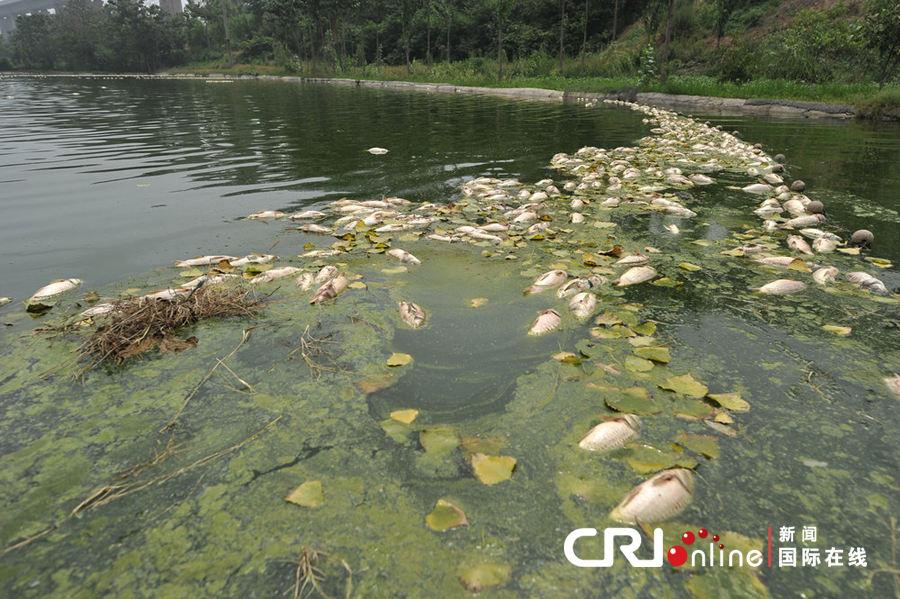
(882, 34)
(33, 42)
(502, 9)
(664, 68)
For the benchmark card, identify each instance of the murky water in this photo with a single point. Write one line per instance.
(111, 180)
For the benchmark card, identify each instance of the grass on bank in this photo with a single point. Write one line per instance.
(481, 72)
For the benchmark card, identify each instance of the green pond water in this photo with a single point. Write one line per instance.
(112, 180)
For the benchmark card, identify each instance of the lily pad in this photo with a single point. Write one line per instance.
(646, 459)
(398, 359)
(567, 357)
(309, 494)
(657, 354)
(404, 416)
(704, 444)
(615, 332)
(487, 575)
(491, 469)
(445, 516)
(685, 385)
(730, 401)
(439, 441)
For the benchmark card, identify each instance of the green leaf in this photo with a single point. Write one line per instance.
(685, 385)
(730, 401)
(657, 354)
(689, 267)
(705, 444)
(607, 319)
(666, 282)
(636, 364)
(397, 431)
(445, 516)
(477, 578)
(309, 494)
(635, 400)
(646, 328)
(615, 332)
(692, 409)
(439, 441)
(490, 469)
(398, 359)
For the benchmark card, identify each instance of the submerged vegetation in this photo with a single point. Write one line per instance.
(406, 436)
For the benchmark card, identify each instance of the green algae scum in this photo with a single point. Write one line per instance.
(330, 449)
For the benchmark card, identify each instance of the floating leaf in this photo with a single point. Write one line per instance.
(491, 469)
(404, 416)
(685, 385)
(445, 516)
(589, 349)
(720, 428)
(738, 252)
(607, 319)
(641, 341)
(702, 243)
(799, 265)
(485, 445)
(358, 285)
(646, 328)
(616, 332)
(657, 354)
(837, 330)
(395, 270)
(634, 400)
(309, 494)
(398, 359)
(730, 401)
(397, 431)
(636, 364)
(689, 267)
(439, 441)
(477, 302)
(483, 576)
(567, 357)
(377, 384)
(705, 444)
(724, 418)
(693, 410)
(667, 282)
(879, 262)
(602, 224)
(851, 251)
(646, 459)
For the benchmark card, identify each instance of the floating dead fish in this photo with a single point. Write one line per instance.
(782, 287)
(320, 254)
(305, 281)
(307, 215)
(404, 256)
(98, 310)
(573, 287)
(167, 294)
(57, 287)
(208, 281)
(253, 259)
(678, 210)
(444, 238)
(576, 218)
(326, 273)
(803, 221)
(701, 179)
(498, 227)
(275, 273)
(794, 207)
(583, 305)
(661, 497)
(545, 322)
(636, 275)
(596, 280)
(330, 290)
(526, 217)
(314, 228)
(546, 281)
(266, 215)
(825, 275)
(773, 179)
(394, 227)
(205, 261)
(412, 314)
(5, 300)
(893, 384)
(817, 233)
(377, 151)
(632, 260)
(796, 242)
(478, 234)
(824, 245)
(612, 434)
(757, 188)
(782, 261)
(867, 281)
(673, 229)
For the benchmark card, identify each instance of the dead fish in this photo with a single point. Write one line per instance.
(661, 497)
(479, 234)
(757, 188)
(330, 290)
(548, 280)
(394, 227)
(824, 245)
(412, 314)
(867, 281)
(679, 210)
(782, 287)
(57, 287)
(817, 233)
(545, 322)
(305, 281)
(98, 310)
(701, 179)
(167, 294)
(314, 228)
(5, 300)
(275, 273)
(893, 384)
(576, 218)
(825, 275)
(794, 207)
(209, 281)
(583, 305)
(796, 242)
(497, 227)
(572, 287)
(326, 273)
(673, 229)
(307, 215)
(773, 179)
(204, 261)
(596, 280)
(636, 275)
(266, 215)
(526, 217)
(612, 434)
(632, 260)
(803, 221)
(781, 261)
(377, 151)
(404, 256)
(444, 238)
(320, 254)
(253, 259)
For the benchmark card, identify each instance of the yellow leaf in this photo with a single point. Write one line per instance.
(688, 266)
(492, 469)
(837, 330)
(309, 494)
(477, 302)
(398, 359)
(358, 285)
(404, 416)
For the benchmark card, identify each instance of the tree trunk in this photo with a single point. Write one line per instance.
(615, 19)
(428, 34)
(449, 21)
(408, 68)
(664, 70)
(499, 49)
(584, 40)
(562, 23)
(227, 35)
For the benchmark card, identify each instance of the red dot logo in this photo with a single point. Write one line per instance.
(721, 546)
(715, 537)
(687, 538)
(702, 533)
(677, 555)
